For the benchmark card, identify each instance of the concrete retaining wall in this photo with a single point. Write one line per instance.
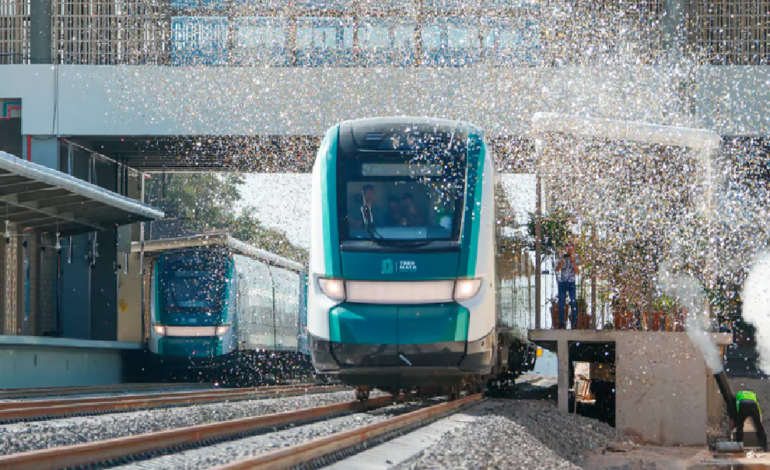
(54, 362)
(664, 391)
(661, 384)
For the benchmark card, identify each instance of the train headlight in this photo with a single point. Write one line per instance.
(466, 289)
(160, 330)
(222, 330)
(333, 288)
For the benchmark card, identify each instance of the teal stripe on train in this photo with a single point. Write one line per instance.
(399, 266)
(473, 198)
(435, 323)
(329, 197)
(364, 324)
(403, 324)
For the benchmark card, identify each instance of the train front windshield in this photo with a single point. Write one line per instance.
(404, 186)
(193, 287)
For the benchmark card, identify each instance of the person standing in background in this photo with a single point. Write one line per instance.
(566, 270)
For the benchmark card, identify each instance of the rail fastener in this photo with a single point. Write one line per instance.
(292, 456)
(101, 451)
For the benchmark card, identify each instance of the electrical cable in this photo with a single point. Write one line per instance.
(54, 122)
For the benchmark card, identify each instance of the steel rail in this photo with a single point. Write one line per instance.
(12, 405)
(143, 403)
(111, 449)
(289, 457)
(49, 391)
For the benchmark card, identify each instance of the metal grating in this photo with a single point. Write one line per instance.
(140, 31)
(586, 32)
(14, 31)
(111, 32)
(734, 32)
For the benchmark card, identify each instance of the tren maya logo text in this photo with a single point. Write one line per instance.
(387, 266)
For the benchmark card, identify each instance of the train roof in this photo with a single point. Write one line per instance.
(216, 240)
(400, 123)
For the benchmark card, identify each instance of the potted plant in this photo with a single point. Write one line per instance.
(584, 321)
(660, 309)
(555, 313)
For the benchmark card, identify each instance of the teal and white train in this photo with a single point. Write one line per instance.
(219, 305)
(402, 284)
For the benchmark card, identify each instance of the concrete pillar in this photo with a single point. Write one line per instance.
(41, 38)
(674, 26)
(562, 351)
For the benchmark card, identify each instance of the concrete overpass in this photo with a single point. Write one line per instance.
(269, 119)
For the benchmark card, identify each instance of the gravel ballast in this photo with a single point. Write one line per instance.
(220, 454)
(517, 434)
(23, 437)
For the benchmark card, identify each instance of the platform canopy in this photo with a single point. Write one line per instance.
(215, 240)
(36, 197)
(632, 131)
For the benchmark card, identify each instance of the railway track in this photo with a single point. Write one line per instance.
(55, 408)
(13, 393)
(325, 449)
(112, 450)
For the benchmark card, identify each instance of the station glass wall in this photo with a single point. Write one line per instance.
(353, 41)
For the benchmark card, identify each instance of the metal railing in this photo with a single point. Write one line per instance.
(14, 31)
(328, 33)
(731, 32)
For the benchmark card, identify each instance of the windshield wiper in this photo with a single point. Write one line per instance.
(366, 213)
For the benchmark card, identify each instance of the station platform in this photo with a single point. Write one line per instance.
(663, 391)
(35, 361)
